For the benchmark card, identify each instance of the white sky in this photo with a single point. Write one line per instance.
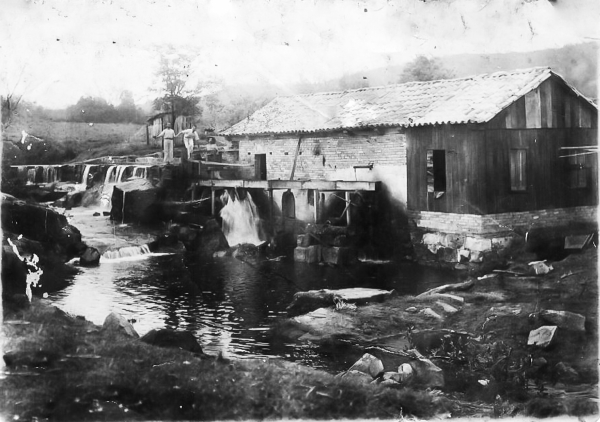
(55, 51)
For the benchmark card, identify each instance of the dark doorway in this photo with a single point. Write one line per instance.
(260, 166)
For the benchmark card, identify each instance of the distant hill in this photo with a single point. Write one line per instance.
(578, 64)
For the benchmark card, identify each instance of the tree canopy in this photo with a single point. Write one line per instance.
(175, 94)
(424, 69)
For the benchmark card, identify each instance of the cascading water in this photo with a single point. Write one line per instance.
(86, 173)
(31, 175)
(120, 172)
(109, 173)
(241, 223)
(140, 172)
(127, 253)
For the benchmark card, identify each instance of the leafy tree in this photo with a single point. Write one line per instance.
(10, 106)
(176, 97)
(424, 69)
(127, 111)
(92, 110)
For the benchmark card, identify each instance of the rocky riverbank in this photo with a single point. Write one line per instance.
(512, 341)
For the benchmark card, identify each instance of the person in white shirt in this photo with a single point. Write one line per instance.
(189, 136)
(168, 135)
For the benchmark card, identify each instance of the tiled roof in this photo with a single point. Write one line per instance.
(475, 99)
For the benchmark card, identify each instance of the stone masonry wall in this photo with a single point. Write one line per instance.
(457, 238)
(319, 158)
(494, 224)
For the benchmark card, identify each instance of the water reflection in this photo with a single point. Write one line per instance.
(227, 303)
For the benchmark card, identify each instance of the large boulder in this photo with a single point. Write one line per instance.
(204, 240)
(116, 322)
(42, 224)
(368, 364)
(90, 257)
(135, 201)
(173, 339)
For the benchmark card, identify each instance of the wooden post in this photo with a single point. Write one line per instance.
(316, 204)
(271, 211)
(347, 194)
(193, 190)
(295, 159)
(212, 201)
(147, 136)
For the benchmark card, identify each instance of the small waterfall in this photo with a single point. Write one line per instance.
(127, 253)
(120, 172)
(31, 175)
(241, 223)
(140, 172)
(86, 172)
(109, 173)
(50, 174)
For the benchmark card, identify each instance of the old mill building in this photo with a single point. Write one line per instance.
(467, 164)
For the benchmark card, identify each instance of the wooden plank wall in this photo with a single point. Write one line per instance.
(552, 105)
(465, 169)
(546, 171)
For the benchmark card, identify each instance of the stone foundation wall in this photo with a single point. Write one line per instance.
(456, 238)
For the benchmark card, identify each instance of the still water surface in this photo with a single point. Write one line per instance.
(229, 304)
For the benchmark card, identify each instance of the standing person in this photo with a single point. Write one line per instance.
(189, 136)
(168, 134)
(212, 150)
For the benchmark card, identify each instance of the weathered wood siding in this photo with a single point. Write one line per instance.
(465, 168)
(552, 105)
(547, 173)
(478, 169)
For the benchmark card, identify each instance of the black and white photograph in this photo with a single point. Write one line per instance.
(226, 210)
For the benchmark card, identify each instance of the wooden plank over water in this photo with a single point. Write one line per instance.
(321, 185)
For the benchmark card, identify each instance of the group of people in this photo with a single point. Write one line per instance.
(189, 137)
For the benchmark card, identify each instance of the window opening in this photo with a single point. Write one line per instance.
(436, 172)
(518, 170)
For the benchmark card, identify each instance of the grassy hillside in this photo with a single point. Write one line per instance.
(68, 131)
(61, 142)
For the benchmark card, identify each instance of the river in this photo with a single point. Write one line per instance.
(227, 303)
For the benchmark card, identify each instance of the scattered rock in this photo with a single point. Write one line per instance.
(356, 376)
(405, 372)
(368, 364)
(542, 336)
(430, 312)
(564, 319)
(412, 310)
(96, 214)
(540, 267)
(116, 322)
(392, 376)
(219, 254)
(90, 257)
(173, 339)
(447, 308)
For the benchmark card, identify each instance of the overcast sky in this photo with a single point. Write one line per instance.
(55, 51)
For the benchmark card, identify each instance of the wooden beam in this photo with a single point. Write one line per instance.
(316, 205)
(212, 202)
(295, 159)
(348, 201)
